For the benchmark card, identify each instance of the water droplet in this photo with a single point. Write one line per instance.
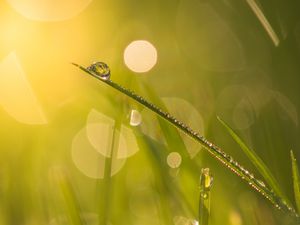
(204, 195)
(261, 183)
(100, 69)
(207, 178)
(135, 118)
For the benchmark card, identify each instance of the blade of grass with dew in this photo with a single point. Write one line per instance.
(264, 22)
(256, 161)
(296, 180)
(172, 136)
(214, 150)
(204, 199)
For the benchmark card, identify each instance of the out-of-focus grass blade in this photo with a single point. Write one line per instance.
(296, 181)
(105, 191)
(60, 177)
(264, 22)
(157, 154)
(172, 136)
(256, 161)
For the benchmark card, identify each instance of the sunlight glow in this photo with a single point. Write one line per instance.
(100, 133)
(90, 162)
(235, 218)
(49, 10)
(140, 56)
(16, 95)
(92, 145)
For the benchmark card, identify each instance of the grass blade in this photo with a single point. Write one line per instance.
(67, 192)
(105, 190)
(204, 200)
(256, 160)
(264, 21)
(296, 180)
(212, 149)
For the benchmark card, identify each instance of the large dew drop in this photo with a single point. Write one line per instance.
(100, 69)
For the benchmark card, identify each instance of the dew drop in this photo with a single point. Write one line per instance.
(261, 183)
(205, 195)
(100, 69)
(207, 178)
(135, 118)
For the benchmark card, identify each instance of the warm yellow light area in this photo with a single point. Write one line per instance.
(92, 145)
(235, 218)
(90, 162)
(127, 144)
(99, 130)
(49, 10)
(16, 95)
(140, 56)
(181, 220)
(100, 134)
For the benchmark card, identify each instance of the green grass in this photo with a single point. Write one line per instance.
(276, 197)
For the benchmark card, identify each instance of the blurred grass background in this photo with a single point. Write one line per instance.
(238, 60)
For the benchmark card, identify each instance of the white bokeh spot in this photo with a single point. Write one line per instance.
(140, 56)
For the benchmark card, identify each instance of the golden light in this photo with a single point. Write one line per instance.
(99, 130)
(235, 218)
(49, 10)
(100, 135)
(92, 145)
(16, 95)
(140, 56)
(88, 160)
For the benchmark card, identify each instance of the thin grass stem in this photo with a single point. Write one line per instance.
(264, 22)
(204, 199)
(105, 206)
